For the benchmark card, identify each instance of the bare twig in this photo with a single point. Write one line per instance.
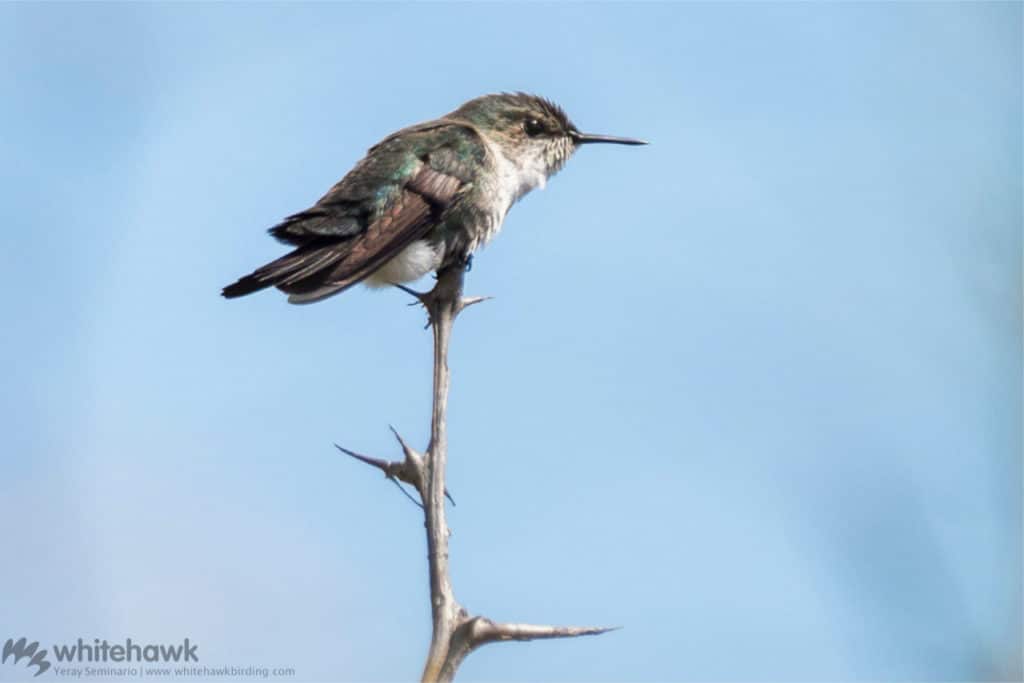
(455, 633)
(443, 304)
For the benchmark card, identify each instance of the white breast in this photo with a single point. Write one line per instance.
(412, 263)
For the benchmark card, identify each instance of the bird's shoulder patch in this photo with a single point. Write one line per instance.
(437, 187)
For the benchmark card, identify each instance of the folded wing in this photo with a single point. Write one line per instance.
(339, 242)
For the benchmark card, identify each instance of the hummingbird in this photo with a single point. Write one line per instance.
(423, 199)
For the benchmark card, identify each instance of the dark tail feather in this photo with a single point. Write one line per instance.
(304, 265)
(244, 285)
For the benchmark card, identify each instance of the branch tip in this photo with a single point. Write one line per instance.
(410, 453)
(373, 462)
(489, 631)
(468, 301)
(396, 472)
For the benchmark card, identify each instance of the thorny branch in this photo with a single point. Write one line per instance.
(455, 632)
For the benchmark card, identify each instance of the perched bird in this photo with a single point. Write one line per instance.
(422, 199)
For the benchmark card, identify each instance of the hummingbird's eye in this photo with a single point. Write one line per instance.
(533, 127)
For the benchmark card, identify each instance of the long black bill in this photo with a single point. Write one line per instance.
(586, 138)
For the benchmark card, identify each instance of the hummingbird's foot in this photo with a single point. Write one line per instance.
(440, 297)
(422, 299)
(469, 263)
(420, 296)
(426, 299)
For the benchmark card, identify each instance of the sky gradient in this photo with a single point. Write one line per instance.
(752, 392)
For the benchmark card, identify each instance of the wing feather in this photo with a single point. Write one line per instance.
(409, 218)
(340, 241)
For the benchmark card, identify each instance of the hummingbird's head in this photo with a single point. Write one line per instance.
(533, 133)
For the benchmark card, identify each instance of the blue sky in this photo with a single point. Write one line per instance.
(752, 392)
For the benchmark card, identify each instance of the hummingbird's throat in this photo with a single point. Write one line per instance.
(516, 177)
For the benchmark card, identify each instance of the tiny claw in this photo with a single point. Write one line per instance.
(469, 263)
(422, 299)
(420, 296)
